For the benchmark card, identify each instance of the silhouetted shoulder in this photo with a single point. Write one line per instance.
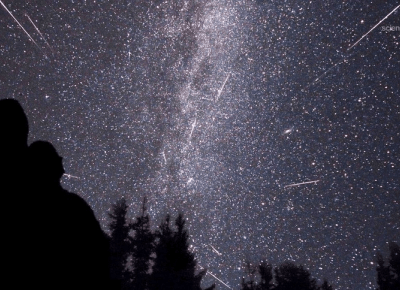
(79, 210)
(66, 225)
(78, 202)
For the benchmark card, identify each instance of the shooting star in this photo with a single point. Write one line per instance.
(37, 29)
(301, 183)
(70, 176)
(20, 25)
(362, 37)
(215, 250)
(193, 126)
(323, 74)
(215, 277)
(345, 59)
(222, 88)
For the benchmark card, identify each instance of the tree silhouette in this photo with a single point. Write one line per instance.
(394, 263)
(266, 277)
(250, 283)
(325, 286)
(288, 276)
(383, 272)
(175, 265)
(120, 243)
(388, 276)
(161, 268)
(142, 248)
(184, 263)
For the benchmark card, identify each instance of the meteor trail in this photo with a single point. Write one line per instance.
(37, 29)
(26, 32)
(373, 27)
(212, 275)
(215, 277)
(301, 183)
(215, 250)
(344, 59)
(193, 126)
(70, 176)
(324, 73)
(222, 88)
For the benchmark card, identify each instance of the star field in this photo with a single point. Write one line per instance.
(213, 108)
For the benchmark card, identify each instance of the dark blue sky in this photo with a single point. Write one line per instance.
(212, 108)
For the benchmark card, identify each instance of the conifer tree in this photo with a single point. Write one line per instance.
(249, 283)
(175, 265)
(394, 263)
(288, 276)
(325, 286)
(184, 263)
(266, 277)
(120, 243)
(142, 248)
(383, 272)
(161, 271)
(388, 275)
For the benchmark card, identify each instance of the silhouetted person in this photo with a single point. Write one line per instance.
(72, 250)
(15, 207)
(14, 127)
(13, 143)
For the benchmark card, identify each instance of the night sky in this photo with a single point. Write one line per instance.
(213, 108)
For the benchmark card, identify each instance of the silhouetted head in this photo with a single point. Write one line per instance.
(45, 165)
(13, 126)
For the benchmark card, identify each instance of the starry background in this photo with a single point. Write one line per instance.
(212, 108)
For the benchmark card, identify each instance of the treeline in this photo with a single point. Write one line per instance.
(287, 276)
(143, 259)
(161, 259)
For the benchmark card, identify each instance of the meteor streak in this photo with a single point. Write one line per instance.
(222, 88)
(215, 277)
(26, 32)
(362, 37)
(37, 29)
(70, 176)
(324, 73)
(193, 126)
(344, 59)
(301, 183)
(215, 250)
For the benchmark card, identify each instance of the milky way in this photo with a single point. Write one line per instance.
(274, 126)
